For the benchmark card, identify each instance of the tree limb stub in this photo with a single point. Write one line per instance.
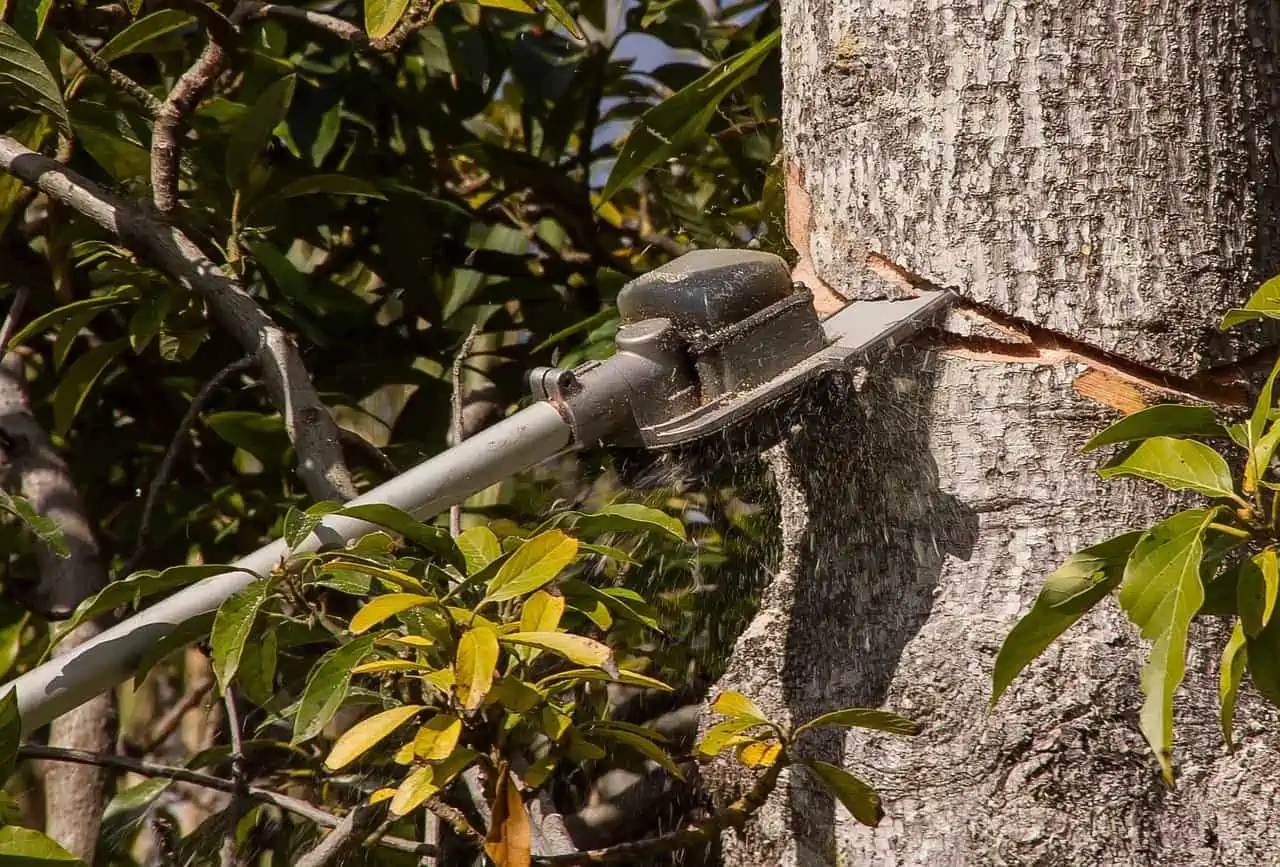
(310, 425)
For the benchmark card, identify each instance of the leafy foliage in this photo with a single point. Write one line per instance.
(1220, 560)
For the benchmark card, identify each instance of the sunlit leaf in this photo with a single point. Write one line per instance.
(413, 791)
(724, 735)
(575, 648)
(1264, 303)
(1230, 673)
(43, 527)
(1256, 588)
(22, 847)
(475, 665)
(759, 754)
(1168, 419)
(630, 678)
(1161, 592)
(735, 705)
(1071, 590)
(437, 737)
(368, 733)
(479, 548)
(1180, 465)
(541, 612)
(143, 34)
(380, 608)
(631, 517)
(642, 745)
(534, 563)
(382, 16)
(864, 718)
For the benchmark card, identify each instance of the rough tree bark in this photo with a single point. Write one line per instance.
(1108, 170)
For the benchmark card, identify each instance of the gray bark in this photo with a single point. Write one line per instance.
(1108, 170)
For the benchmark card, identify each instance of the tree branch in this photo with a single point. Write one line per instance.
(227, 856)
(117, 78)
(166, 135)
(310, 425)
(347, 835)
(414, 20)
(459, 431)
(171, 456)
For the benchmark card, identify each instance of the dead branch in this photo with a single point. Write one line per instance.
(308, 421)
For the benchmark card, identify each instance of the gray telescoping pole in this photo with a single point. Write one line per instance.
(515, 444)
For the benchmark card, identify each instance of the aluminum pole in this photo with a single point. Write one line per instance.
(515, 444)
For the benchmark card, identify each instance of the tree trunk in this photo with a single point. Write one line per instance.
(1107, 170)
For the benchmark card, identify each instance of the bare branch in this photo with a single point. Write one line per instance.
(413, 21)
(169, 723)
(117, 78)
(13, 317)
(227, 857)
(166, 135)
(171, 456)
(347, 835)
(308, 421)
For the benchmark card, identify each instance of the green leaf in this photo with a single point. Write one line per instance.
(737, 706)
(479, 548)
(1180, 465)
(724, 735)
(44, 528)
(630, 678)
(258, 669)
(1088, 576)
(30, 17)
(25, 79)
(1263, 304)
(575, 648)
(380, 608)
(1161, 592)
(128, 807)
(666, 129)
(433, 539)
(534, 563)
(631, 518)
(382, 16)
(134, 588)
(1168, 419)
(327, 687)
(253, 131)
(1230, 673)
(233, 626)
(262, 436)
(864, 718)
(367, 734)
(330, 185)
(140, 36)
(78, 381)
(298, 525)
(476, 665)
(22, 847)
(857, 797)
(1256, 588)
(10, 733)
(147, 320)
(558, 12)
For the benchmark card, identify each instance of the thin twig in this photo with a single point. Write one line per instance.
(227, 857)
(346, 836)
(169, 723)
(418, 16)
(117, 78)
(455, 511)
(170, 458)
(308, 421)
(13, 317)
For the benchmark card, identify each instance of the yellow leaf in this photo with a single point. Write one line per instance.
(509, 839)
(381, 795)
(541, 612)
(381, 607)
(394, 577)
(758, 754)
(512, 5)
(365, 734)
(414, 790)
(534, 563)
(409, 640)
(381, 666)
(436, 739)
(737, 706)
(575, 648)
(477, 660)
(442, 680)
(404, 755)
(382, 16)
(467, 618)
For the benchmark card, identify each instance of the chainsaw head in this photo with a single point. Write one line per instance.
(713, 342)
